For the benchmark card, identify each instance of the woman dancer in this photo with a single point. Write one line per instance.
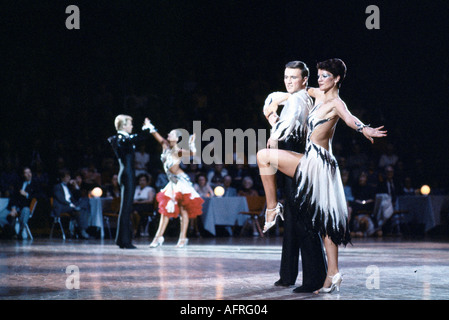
(318, 182)
(178, 196)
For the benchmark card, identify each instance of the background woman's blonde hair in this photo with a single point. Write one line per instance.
(121, 120)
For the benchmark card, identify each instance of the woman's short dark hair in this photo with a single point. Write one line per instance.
(143, 175)
(335, 66)
(299, 65)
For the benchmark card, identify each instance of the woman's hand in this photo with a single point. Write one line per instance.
(371, 133)
(273, 106)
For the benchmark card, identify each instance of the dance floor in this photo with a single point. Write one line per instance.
(213, 269)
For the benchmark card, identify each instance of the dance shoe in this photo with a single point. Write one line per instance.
(279, 209)
(157, 242)
(336, 281)
(182, 243)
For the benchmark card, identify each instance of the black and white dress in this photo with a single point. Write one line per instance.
(319, 189)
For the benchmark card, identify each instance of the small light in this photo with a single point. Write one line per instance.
(425, 189)
(219, 191)
(96, 192)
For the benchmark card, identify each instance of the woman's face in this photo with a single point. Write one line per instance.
(142, 182)
(172, 136)
(326, 80)
(202, 181)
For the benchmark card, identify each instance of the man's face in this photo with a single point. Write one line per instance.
(293, 80)
(27, 174)
(66, 178)
(128, 126)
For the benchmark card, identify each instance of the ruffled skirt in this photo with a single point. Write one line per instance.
(179, 192)
(320, 196)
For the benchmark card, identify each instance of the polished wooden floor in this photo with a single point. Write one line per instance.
(225, 268)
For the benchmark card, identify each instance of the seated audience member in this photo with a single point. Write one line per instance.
(389, 185)
(20, 200)
(227, 185)
(143, 204)
(63, 201)
(247, 188)
(408, 188)
(203, 187)
(216, 175)
(362, 223)
(7, 222)
(113, 190)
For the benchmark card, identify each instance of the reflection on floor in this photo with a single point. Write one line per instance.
(213, 269)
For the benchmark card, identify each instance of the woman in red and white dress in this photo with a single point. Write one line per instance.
(178, 196)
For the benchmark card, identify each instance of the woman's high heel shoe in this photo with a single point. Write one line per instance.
(182, 243)
(336, 281)
(279, 209)
(157, 242)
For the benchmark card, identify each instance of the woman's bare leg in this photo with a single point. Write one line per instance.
(163, 223)
(269, 161)
(184, 224)
(332, 260)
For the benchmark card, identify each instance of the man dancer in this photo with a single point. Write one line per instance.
(123, 145)
(288, 133)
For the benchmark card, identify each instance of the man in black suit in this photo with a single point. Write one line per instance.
(20, 200)
(63, 201)
(123, 144)
(288, 133)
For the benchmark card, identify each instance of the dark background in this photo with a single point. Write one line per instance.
(159, 59)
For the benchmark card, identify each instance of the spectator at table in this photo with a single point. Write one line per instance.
(408, 188)
(216, 175)
(63, 201)
(227, 185)
(203, 187)
(113, 189)
(389, 184)
(247, 188)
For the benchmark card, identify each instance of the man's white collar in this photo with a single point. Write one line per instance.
(126, 134)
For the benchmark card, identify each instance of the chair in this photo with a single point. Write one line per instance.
(33, 204)
(111, 212)
(57, 220)
(256, 208)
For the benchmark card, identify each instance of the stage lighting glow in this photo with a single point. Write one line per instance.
(425, 190)
(96, 192)
(219, 191)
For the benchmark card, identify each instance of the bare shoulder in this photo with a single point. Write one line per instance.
(315, 93)
(338, 103)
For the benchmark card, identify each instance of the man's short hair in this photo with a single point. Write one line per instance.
(299, 65)
(121, 120)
